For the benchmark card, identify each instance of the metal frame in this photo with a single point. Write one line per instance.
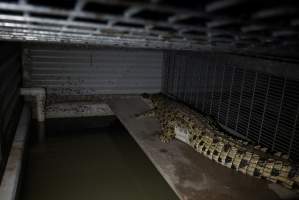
(151, 23)
(272, 110)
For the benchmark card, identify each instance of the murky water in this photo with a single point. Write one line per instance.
(90, 159)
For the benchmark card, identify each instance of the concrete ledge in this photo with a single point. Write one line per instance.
(190, 174)
(10, 180)
(77, 109)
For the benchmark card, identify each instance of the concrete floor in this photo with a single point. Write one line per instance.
(191, 175)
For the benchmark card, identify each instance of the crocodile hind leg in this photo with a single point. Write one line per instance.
(167, 133)
(245, 162)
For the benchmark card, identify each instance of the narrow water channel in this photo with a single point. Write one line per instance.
(89, 159)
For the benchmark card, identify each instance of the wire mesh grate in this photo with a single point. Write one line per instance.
(260, 106)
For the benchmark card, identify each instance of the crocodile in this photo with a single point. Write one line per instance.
(207, 138)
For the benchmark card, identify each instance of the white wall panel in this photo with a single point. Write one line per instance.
(72, 71)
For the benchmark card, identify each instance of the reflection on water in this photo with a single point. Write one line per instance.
(41, 132)
(92, 159)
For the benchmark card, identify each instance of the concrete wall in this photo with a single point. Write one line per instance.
(255, 98)
(10, 100)
(71, 70)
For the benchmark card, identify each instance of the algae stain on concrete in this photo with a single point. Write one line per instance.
(90, 162)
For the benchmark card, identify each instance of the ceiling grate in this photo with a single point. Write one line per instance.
(237, 26)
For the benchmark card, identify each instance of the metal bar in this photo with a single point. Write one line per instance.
(278, 118)
(205, 88)
(240, 100)
(251, 105)
(294, 130)
(221, 93)
(265, 106)
(230, 94)
(214, 83)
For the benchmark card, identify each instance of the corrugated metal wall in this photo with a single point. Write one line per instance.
(71, 70)
(10, 101)
(254, 97)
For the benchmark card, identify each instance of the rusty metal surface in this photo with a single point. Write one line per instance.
(257, 26)
(255, 98)
(74, 71)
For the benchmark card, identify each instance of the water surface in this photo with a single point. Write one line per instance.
(89, 159)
